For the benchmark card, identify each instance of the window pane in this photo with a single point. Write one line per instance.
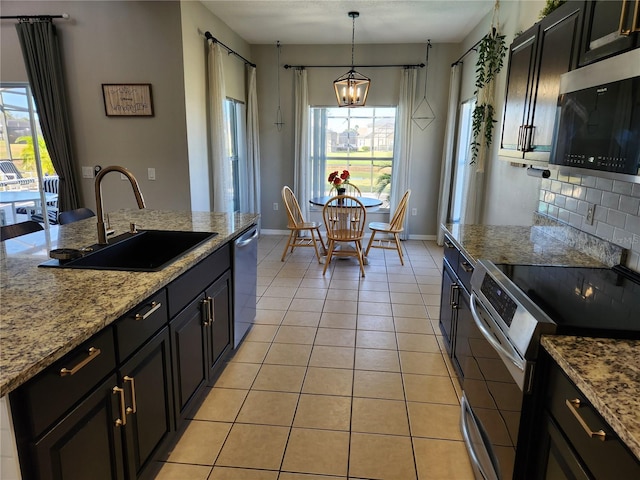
(359, 140)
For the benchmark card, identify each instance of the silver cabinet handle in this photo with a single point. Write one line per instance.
(154, 306)
(574, 405)
(92, 353)
(467, 267)
(120, 422)
(134, 407)
(205, 311)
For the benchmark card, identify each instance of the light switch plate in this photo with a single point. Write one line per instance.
(151, 173)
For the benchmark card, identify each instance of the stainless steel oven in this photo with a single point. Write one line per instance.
(498, 346)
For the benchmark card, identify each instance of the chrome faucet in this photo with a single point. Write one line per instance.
(102, 231)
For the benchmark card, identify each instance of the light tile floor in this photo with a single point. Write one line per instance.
(340, 377)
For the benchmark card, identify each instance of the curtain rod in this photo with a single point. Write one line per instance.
(472, 48)
(417, 65)
(228, 49)
(17, 17)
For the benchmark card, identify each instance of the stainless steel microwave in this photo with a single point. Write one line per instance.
(598, 119)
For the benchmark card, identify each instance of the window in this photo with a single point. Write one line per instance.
(356, 139)
(235, 130)
(24, 159)
(463, 159)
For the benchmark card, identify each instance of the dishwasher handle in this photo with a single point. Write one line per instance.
(242, 242)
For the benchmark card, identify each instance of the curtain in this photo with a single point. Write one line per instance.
(41, 52)
(301, 167)
(221, 171)
(448, 154)
(250, 181)
(401, 173)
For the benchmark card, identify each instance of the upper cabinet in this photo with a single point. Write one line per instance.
(537, 58)
(610, 27)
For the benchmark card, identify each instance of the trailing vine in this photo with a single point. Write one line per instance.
(491, 52)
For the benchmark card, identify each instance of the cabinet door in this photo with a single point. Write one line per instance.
(558, 40)
(86, 443)
(146, 378)
(188, 346)
(218, 330)
(608, 29)
(447, 302)
(522, 54)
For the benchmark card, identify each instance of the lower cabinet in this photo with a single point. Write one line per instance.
(108, 409)
(200, 334)
(575, 441)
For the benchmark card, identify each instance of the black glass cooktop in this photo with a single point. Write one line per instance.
(583, 301)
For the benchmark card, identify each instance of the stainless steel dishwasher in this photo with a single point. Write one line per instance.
(245, 273)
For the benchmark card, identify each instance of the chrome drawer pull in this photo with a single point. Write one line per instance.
(91, 354)
(448, 244)
(573, 405)
(154, 306)
(134, 407)
(467, 267)
(205, 309)
(120, 422)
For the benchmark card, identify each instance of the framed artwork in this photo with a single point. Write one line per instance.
(127, 100)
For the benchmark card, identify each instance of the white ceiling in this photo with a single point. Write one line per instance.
(306, 22)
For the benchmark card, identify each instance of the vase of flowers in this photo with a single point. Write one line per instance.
(339, 180)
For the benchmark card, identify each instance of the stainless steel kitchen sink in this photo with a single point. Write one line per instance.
(143, 251)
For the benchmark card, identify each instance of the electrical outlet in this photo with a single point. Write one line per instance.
(591, 210)
(151, 173)
(414, 212)
(87, 172)
(275, 206)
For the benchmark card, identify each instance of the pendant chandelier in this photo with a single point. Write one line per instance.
(352, 87)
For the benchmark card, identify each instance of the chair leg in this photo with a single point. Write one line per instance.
(327, 260)
(360, 256)
(324, 247)
(373, 234)
(289, 244)
(399, 248)
(315, 245)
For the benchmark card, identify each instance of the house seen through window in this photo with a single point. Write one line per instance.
(356, 139)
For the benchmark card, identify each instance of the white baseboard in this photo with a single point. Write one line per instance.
(266, 231)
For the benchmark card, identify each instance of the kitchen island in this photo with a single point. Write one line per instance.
(73, 341)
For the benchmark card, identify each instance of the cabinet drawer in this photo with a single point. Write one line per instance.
(464, 270)
(185, 288)
(604, 459)
(54, 391)
(451, 252)
(134, 328)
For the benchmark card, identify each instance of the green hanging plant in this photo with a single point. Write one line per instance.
(491, 52)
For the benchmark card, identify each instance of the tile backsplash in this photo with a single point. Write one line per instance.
(616, 217)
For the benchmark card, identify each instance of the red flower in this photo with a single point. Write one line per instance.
(336, 178)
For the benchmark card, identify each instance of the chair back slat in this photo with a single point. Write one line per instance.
(344, 218)
(292, 206)
(350, 189)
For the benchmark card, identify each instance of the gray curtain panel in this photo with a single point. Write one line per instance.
(41, 52)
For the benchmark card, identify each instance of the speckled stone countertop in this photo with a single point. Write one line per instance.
(46, 312)
(518, 245)
(607, 372)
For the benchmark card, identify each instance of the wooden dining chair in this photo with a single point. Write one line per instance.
(392, 229)
(297, 225)
(18, 229)
(344, 217)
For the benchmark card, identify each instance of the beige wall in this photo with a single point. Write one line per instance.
(118, 42)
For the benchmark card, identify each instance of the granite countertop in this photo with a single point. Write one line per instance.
(46, 312)
(607, 372)
(534, 245)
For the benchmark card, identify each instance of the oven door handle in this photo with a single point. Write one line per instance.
(489, 336)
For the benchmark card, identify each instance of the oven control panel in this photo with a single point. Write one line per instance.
(499, 299)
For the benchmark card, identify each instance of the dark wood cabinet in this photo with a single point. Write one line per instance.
(537, 58)
(85, 444)
(200, 327)
(610, 27)
(447, 306)
(147, 381)
(575, 442)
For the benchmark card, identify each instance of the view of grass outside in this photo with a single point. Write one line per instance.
(359, 140)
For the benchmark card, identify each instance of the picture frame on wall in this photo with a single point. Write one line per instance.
(127, 99)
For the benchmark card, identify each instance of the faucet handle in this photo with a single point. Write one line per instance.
(133, 228)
